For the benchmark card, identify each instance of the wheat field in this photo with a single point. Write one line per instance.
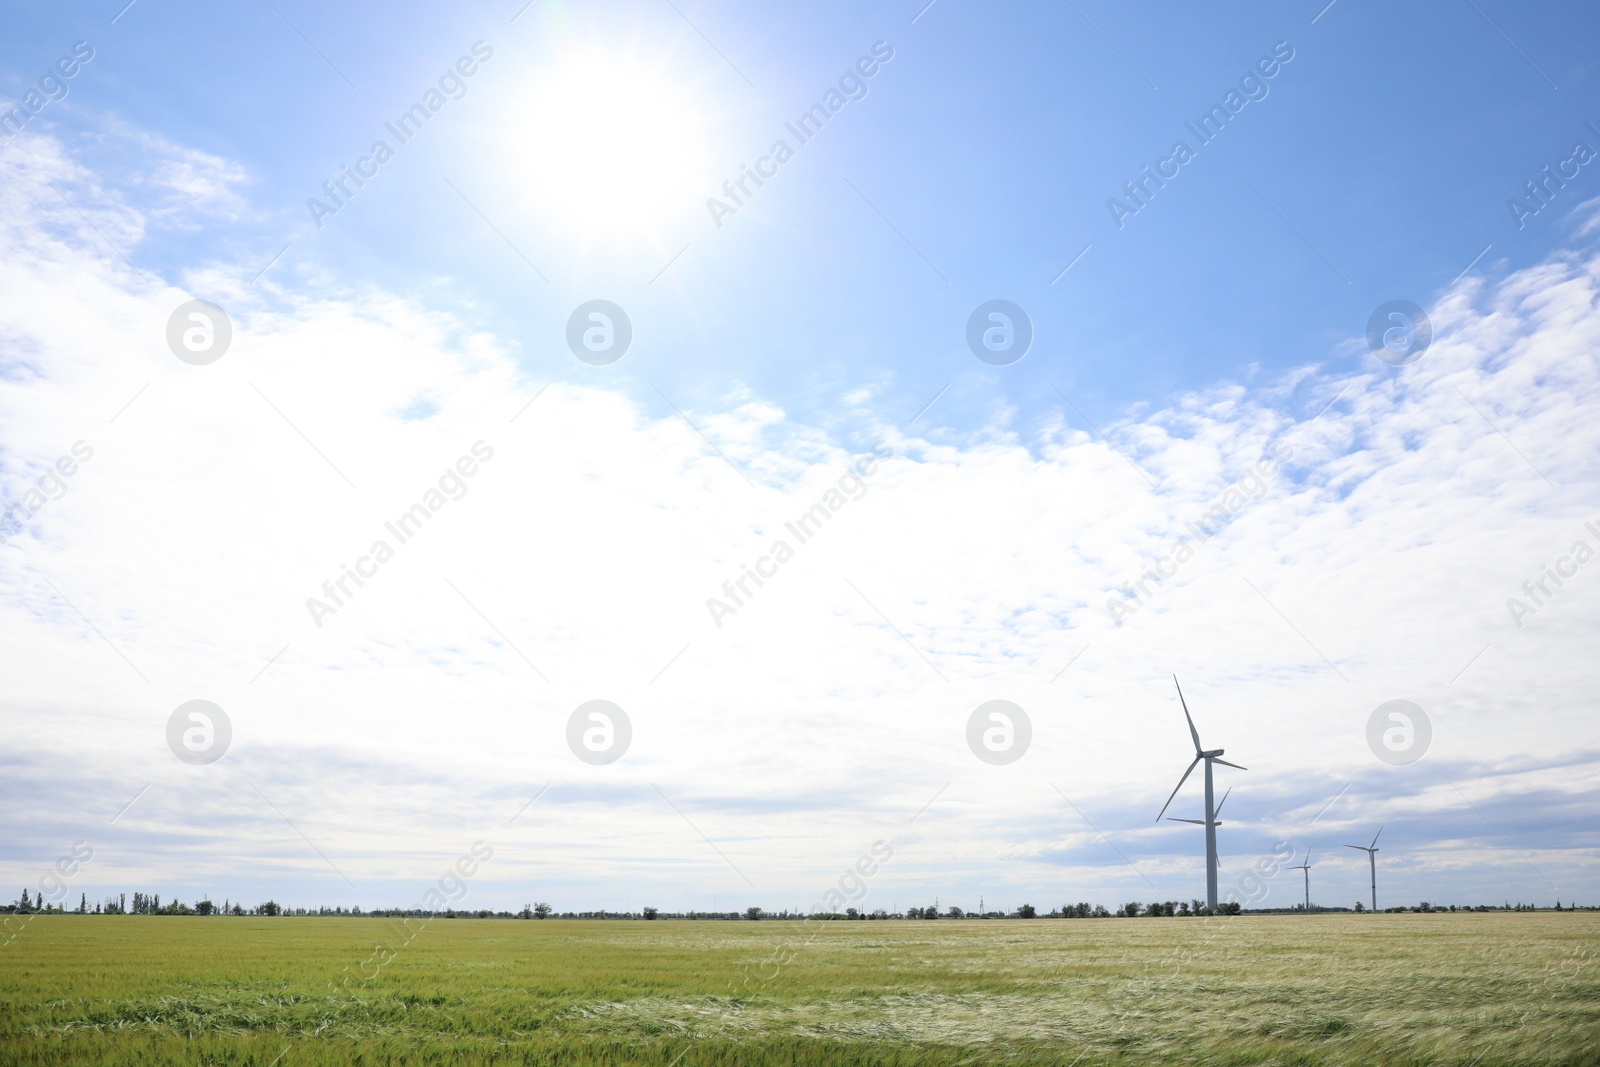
(1478, 989)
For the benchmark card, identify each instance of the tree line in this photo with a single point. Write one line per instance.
(150, 904)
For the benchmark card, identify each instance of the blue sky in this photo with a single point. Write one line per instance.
(992, 141)
(770, 354)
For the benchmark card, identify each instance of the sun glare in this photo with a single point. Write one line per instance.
(605, 147)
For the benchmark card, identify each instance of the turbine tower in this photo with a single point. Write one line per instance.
(1305, 865)
(1210, 756)
(1372, 862)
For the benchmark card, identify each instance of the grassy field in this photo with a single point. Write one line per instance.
(1480, 989)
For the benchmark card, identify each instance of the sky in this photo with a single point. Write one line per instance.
(1197, 444)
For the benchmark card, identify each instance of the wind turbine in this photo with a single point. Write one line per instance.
(1372, 862)
(1210, 756)
(1305, 865)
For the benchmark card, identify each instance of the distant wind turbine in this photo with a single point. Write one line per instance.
(1210, 756)
(1305, 865)
(1372, 862)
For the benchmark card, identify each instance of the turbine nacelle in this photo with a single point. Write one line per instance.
(1201, 822)
(1369, 849)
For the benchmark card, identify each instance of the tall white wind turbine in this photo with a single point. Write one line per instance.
(1372, 862)
(1305, 865)
(1209, 756)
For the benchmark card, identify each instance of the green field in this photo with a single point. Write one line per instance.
(1479, 989)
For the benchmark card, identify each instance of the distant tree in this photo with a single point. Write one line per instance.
(25, 905)
(1131, 908)
(913, 913)
(271, 907)
(1027, 911)
(542, 911)
(879, 914)
(753, 913)
(1100, 912)
(955, 912)
(1360, 907)
(650, 913)
(83, 903)
(204, 907)
(1183, 907)
(931, 912)
(1229, 907)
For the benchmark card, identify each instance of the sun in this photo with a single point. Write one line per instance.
(606, 146)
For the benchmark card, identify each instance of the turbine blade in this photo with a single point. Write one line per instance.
(1221, 802)
(1197, 822)
(1377, 835)
(1308, 859)
(1192, 731)
(1225, 763)
(1177, 787)
(1363, 848)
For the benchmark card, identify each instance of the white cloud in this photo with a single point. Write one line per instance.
(830, 708)
(184, 188)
